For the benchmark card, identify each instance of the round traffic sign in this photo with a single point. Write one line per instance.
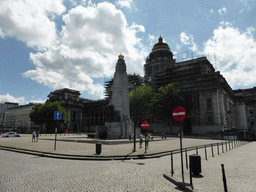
(179, 113)
(144, 125)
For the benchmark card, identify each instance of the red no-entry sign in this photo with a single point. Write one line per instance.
(179, 113)
(144, 125)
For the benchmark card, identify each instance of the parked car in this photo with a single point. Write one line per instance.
(11, 134)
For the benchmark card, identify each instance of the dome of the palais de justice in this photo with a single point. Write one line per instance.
(161, 45)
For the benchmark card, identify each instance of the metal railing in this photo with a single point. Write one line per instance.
(228, 145)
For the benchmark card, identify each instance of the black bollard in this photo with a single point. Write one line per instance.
(98, 148)
(224, 178)
(190, 173)
(186, 158)
(172, 164)
(212, 151)
(205, 152)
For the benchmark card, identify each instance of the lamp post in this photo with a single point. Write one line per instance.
(135, 118)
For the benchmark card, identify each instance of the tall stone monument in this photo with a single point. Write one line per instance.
(120, 91)
(120, 102)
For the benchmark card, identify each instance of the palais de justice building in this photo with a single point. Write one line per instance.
(214, 105)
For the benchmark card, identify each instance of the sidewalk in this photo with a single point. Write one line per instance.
(239, 161)
(239, 165)
(81, 147)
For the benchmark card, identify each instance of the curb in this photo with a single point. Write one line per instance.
(104, 142)
(84, 157)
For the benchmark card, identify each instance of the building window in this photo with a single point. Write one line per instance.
(74, 115)
(209, 103)
(209, 119)
(252, 124)
(251, 114)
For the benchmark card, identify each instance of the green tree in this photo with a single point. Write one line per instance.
(44, 114)
(164, 101)
(140, 99)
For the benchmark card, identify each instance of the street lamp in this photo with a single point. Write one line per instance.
(135, 115)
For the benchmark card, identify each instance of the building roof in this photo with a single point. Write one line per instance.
(11, 103)
(20, 106)
(160, 45)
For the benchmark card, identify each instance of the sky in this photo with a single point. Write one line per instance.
(54, 44)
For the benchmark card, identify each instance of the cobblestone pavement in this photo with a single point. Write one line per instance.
(21, 172)
(240, 170)
(81, 148)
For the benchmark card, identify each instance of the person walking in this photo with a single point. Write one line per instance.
(37, 135)
(34, 136)
(132, 135)
(163, 136)
(141, 140)
(147, 136)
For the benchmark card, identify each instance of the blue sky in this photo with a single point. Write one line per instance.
(53, 44)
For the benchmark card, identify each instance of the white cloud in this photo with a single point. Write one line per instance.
(124, 3)
(248, 5)
(235, 51)
(187, 40)
(20, 100)
(151, 38)
(28, 21)
(184, 39)
(38, 101)
(88, 47)
(222, 11)
(10, 98)
(80, 2)
(211, 11)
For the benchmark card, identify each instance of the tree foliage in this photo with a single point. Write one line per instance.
(144, 103)
(140, 100)
(165, 100)
(43, 114)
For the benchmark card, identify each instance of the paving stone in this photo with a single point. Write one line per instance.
(21, 172)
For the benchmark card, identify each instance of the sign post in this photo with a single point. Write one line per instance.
(144, 125)
(57, 116)
(179, 114)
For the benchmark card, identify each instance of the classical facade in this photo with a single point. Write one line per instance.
(247, 100)
(214, 105)
(84, 115)
(74, 105)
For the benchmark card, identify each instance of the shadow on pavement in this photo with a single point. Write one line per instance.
(197, 176)
(125, 158)
(180, 186)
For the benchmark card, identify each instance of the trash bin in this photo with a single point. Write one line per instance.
(195, 164)
(98, 148)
